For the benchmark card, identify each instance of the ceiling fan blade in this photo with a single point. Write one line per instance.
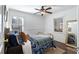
(48, 12)
(48, 8)
(36, 12)
(37, 9)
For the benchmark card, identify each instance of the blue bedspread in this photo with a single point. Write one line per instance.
(40, 44)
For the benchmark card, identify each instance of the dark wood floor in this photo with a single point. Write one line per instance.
(67, 49)
(61, 48)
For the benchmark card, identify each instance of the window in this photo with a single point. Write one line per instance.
(17, 24)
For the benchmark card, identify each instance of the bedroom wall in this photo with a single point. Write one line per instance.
(1, 34)
(78, 27)
(32, 23)
(0, 25)
(68, 14)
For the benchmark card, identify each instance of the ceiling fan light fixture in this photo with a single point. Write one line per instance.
(44, 11)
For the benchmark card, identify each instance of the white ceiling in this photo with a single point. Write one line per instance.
(31, 8)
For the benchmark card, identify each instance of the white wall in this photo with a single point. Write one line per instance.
(32, 23)
(35, 23)
(1, 33)
(78, 26)
(0, 25)
(68, 14)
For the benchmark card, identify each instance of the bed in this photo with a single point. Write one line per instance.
(41, 42)
(37, 43)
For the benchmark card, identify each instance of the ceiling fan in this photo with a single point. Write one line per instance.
(43, 10)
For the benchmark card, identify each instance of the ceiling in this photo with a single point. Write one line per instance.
(31, 8)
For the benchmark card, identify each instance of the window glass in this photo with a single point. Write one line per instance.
(17, 24)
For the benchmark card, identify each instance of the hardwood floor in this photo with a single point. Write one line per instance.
(56, 50)
(61, 48)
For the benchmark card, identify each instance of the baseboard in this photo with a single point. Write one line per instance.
(71, 46)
